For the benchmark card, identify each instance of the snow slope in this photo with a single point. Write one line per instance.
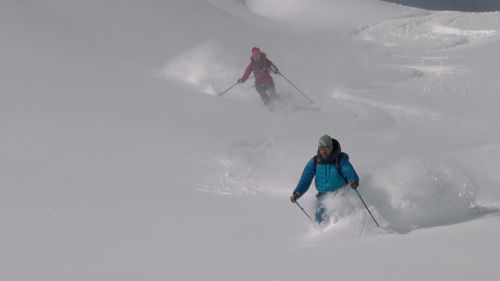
(119, 162)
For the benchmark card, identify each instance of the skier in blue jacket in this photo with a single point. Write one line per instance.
(332, 171)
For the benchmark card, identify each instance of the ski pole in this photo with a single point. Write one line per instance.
(305, 96)
(227, 90)
(303, 210)
(366, 207)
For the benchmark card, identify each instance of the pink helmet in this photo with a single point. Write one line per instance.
(256, 52)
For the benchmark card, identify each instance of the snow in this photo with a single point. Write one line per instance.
(120, 162)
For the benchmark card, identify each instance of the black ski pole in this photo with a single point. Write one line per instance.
(303, 210)
(227, 90)
(305, 96)
(366, 207)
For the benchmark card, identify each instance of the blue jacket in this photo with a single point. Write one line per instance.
(329, 178)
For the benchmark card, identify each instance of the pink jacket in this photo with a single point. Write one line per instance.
(261, 70)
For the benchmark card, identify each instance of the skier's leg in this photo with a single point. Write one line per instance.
(271, 90)
(321, 215)
(271, 94)
(262, 90)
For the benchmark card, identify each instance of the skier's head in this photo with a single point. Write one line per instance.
(327, 145)
(256, 53)
(325, 142)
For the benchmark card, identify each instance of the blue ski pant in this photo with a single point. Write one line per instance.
(321, 214)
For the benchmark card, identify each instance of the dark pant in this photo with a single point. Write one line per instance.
(267, 92)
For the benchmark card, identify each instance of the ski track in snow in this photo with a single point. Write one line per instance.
(431, 31)
(421, 42)
(398, 112)
(240, 173)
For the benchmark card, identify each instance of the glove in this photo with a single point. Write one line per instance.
(240, 81)
(276, 71)
(353, 185)
(295, 196)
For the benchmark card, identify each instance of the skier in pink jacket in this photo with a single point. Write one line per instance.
(262, 68)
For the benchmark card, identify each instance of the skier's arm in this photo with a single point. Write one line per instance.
(306, 178)
(348, 171)
(273, 67)
(247, 73)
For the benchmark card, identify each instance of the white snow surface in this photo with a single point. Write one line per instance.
(120, 162)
